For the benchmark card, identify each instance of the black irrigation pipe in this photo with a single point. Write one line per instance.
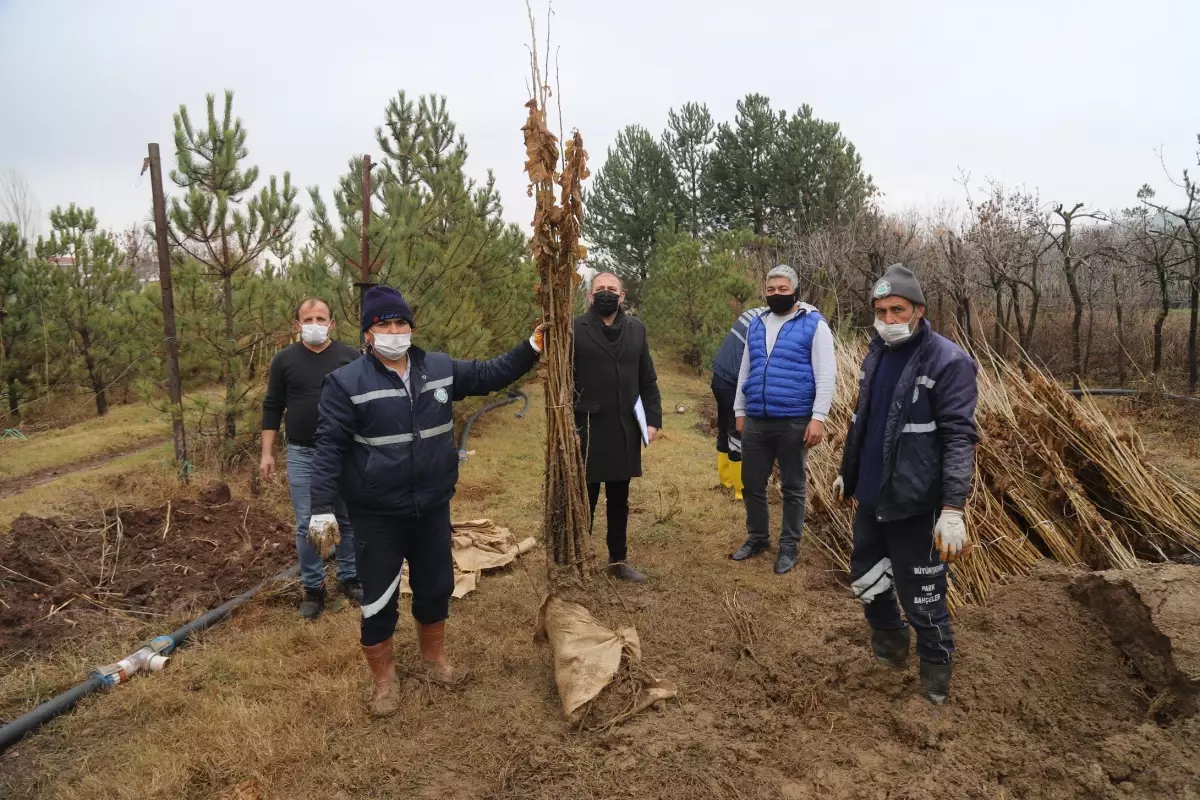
(513, 396)
(151, 657)
(1124, 393)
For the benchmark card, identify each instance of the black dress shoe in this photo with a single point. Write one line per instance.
(749, 550)
(786, 558)
(624, 572)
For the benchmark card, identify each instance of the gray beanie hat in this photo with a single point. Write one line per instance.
(898, 281)
(784, 271)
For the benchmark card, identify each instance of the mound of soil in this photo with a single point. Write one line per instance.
(59, 575)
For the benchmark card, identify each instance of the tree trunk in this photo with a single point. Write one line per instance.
(1087, 353)
(14, 405)
(1193, 324)
(1076, 321)
(1120, 333)
(227, 364)
(94, 378)
(1164, 311)
(998, 324)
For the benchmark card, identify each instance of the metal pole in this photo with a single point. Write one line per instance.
(365, 242)
(168, 309)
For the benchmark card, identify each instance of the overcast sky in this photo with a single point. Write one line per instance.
(1072, 97)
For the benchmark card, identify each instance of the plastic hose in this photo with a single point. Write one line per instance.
(513, 396)
(149, 658)
(1123, 393)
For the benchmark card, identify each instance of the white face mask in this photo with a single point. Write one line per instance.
(314, 334)
(392, 346)
(894, 333)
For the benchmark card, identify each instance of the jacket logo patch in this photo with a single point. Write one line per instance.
(441, 395)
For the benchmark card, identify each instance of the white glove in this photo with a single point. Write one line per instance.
(323, 533)
(950, 534)
(839, 489)
(877, 581)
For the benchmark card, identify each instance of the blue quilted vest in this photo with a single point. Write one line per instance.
(782, 384)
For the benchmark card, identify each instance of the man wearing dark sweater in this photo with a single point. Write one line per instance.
(909, 459)
(294, 389)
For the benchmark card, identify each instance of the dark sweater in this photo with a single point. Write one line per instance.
(883, 389)
(295, 387)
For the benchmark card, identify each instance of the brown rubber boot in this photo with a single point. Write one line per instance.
(386, 697)
(432, 639)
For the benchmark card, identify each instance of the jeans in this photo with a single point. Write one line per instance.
(312, 567)
(918, 574)
(766, 440)
(616, 494)
(384, 543)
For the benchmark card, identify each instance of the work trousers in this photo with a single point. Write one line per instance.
(917, 574)
(312, 566)
(766, 440)
(728, 439)
(616, 495)
(382, 545)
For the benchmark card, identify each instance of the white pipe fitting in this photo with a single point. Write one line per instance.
(145, 660)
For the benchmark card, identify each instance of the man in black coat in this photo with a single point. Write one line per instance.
(613, 370)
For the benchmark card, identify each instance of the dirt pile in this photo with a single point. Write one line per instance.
(138, 564)
(1153, 615)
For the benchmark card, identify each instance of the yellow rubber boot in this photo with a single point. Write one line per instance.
(723, 470)
(735, 475)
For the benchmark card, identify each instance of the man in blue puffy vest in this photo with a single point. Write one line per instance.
(725, 367)
(385, 444)
(909, 459)
(784, 392)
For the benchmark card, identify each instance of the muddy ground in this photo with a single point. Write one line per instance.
(59, 577)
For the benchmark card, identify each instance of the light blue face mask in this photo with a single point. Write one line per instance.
(893, 333)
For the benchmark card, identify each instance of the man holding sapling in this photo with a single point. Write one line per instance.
(908, 459)
(616, 392)
(385, 442)
(294, 386)
(784, 392)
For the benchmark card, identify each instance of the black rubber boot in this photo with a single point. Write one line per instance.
(891, 647)
(935, 681)
(351, 590)
(313, 603)
(749, 550)
(786, 559)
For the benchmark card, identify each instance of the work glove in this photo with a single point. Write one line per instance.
(538, 340)
(839, 489)
(323, 533)
(877, 581)
(950, 534)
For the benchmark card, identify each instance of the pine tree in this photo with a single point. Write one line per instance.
(92, 290)
(688, 141)
(633, 195)
(436, 235)
(741, 184)
(224, 227)
(16, 321)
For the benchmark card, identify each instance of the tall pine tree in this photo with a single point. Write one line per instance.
(224, 227)
(741, 184)
(632, 196)
(688, 141)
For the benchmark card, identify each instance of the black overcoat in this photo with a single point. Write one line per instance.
(609, 378)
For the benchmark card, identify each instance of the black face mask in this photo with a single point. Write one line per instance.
(606, 303)
(781, 303)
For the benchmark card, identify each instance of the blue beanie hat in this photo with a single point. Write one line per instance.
(383, 303)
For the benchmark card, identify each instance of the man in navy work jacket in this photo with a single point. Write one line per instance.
(725, 367)
(909, 459)
(785, 389)
(385, 443)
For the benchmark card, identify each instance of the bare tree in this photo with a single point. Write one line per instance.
(19, 205)
(1064, 233)
(1154, 247)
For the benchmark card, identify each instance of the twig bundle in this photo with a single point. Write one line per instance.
(1054, 477)
(556, 250)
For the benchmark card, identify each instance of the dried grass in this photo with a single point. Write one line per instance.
(1055, 477)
